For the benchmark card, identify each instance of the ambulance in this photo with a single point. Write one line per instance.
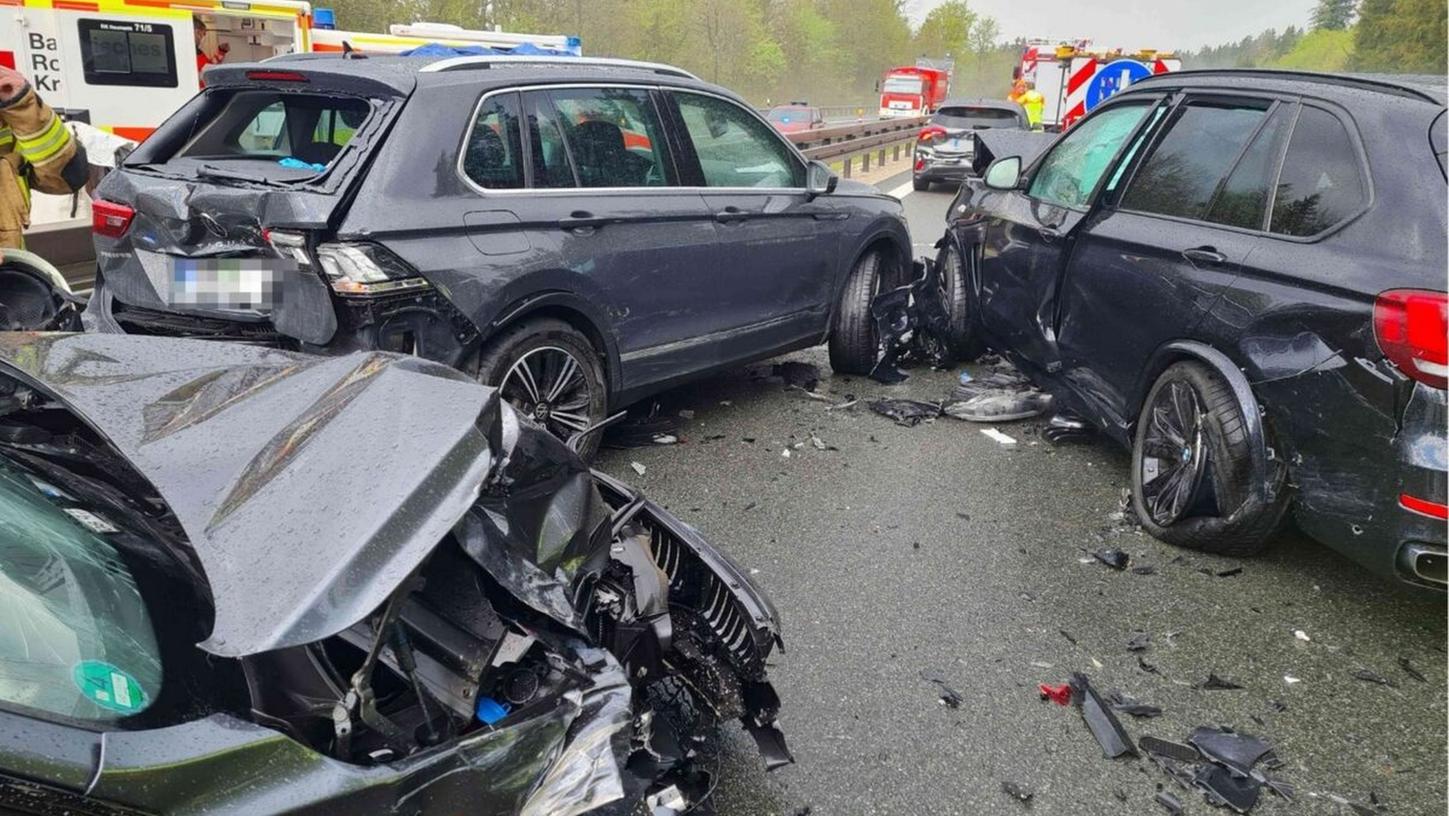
(1073, 78)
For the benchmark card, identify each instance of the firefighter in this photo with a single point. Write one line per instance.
(36, 152)
(1034, 102)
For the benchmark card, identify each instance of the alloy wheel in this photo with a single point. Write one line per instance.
(1174, 454)
(549, 385)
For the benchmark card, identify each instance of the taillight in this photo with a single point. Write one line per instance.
(109, 219)
(364, 270)
(1412, 328)
(931, 133)
(277, 76)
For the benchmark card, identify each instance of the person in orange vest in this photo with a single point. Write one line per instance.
(1034, 103)
(36, 153)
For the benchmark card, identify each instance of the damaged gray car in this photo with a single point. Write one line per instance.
(244, 580)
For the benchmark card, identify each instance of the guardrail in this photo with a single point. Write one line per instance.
(858, 140)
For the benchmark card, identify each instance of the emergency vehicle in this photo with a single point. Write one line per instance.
(915, 90)
(1073, 79)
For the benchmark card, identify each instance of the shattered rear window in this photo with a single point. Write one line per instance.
(294, 130)
(77, 640)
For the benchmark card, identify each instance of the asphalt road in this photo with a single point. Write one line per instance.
(898, 551)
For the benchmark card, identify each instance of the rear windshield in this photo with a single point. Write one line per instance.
(790, 114)
(968, 117)
(293, 131)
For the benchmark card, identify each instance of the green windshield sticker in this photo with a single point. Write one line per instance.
(108, 686)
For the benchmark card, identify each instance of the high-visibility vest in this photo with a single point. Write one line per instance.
(1034, 102)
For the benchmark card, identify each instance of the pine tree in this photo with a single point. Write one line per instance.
(1333, 15)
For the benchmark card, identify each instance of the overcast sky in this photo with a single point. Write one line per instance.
(1133, 24)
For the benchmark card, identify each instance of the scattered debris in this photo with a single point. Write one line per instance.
(1064, 633)
(912, 325)
(1215, 683)
(1066, 428)
(1169, 801)
(1411, 671)
(1145, 569)
(850, 402)
(1229, 768)
(1127, 705)
(1145, 666)
(1017, 792)
(1139, 641)
(1228, 573)
(1112, 557)
(785, 453)
(638, 468)
(1001, 395)
(999, 437)
(801, 375)
(1302, 635)
(1061, 694)
(950, 697)
(819, 444)
(1369, 676)
(908, 413)
(642, 428)
(1290, 680)
(1103, 724)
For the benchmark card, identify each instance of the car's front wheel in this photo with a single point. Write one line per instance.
(853, 344)
(1192, 467)
(953, 277)
(551, 373)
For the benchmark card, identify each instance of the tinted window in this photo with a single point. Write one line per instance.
(614, 136)
(1071, 171)
(734, 148)
(77, 640)
(1243, 200)
(1202, 143)
(1321, 183)
(968, 117)
(551, 166)
(493, 158)
(270, 126)
(127, 53)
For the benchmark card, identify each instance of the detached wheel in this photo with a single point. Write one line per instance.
(550, 373)
(920, 184)
(1192, 467)
(955, 282)
(853, 344)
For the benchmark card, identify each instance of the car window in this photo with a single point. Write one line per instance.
(1202, 143)
(1135, 148)
(118, 52)
(901, 85)
(271, 126)
(1321, 182)
(1243, 200)
(735, 149)
(77, 639)
(614, 136)
(493, 157)
(1071, 171)
(551, 165)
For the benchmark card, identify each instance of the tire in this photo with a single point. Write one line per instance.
(540, 346)
(920, 184)
(1218, 515)
(965, 341)
(853, 344)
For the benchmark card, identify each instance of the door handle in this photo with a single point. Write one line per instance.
(581, 222)
(1048, 234)
(1204, 255)
(731, 215)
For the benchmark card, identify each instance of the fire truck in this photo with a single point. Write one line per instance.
(915, 90)
(123, 66)
(1073, 78)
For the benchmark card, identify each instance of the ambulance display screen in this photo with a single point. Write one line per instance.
(127, 53)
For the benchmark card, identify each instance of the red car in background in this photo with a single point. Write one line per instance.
(795, 117)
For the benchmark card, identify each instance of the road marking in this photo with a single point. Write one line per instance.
(902, 191)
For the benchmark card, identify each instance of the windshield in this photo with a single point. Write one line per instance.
(76, 640)
(294, 131)
(976, 118)
(902, 85)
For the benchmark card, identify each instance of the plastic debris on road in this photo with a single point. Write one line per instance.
(638, 468)
(1112, 557)
(950, 697)
(1103, 724)
(999, 437)
(912, 325)
(1018, 792)
(1215, 683)
(908, 413)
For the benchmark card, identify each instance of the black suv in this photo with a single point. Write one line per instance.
(1240, 275)
(580, 232)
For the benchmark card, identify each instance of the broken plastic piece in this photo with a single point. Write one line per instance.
(1002, 405)
(1138, 642)
(638, 468)
(1369, 676)
(1112, 557)
(1017, 792)
(490, 710)
(1215, 683)
(1169, 801)
(800, 375)
(1237, 752)
(1064, 427)
(1103, 724)
(1228, 573)
(951, 698)
(999, 437)
(1411, 671)
(1145, 569)
(912, 324)
(908, 413)
(1172, 750)
(1061, 694)
(1127, 705)
(1224, 789)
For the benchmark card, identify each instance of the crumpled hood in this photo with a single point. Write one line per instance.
(309, 487)
(1003, 142)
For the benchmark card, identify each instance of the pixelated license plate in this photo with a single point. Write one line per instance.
(228, 283)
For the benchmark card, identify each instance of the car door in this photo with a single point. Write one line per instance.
(777, 245)
(1030, 232)
(1152, 262)
(604, 204)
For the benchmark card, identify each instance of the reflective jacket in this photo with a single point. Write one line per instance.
(1034, 102)
(36, 152)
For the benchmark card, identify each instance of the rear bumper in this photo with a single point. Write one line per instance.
(938, 167)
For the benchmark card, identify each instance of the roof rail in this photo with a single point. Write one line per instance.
(1347, 80)
(459, 63)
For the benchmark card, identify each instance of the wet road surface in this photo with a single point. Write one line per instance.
(902, 550)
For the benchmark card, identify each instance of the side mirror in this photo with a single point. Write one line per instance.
(819, 180)
(1004, 174)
